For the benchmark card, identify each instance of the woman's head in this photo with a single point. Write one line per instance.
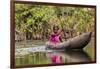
(55, 29)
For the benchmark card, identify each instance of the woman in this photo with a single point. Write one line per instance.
(55, 37)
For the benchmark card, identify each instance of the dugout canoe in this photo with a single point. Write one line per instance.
(78, 42)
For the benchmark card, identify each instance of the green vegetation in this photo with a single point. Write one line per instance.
(36, 21)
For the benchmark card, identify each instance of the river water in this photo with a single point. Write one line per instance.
(24, 57)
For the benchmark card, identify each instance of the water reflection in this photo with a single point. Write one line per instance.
(69, 56)
(54, 57)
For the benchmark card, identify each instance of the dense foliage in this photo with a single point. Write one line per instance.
(36, 21)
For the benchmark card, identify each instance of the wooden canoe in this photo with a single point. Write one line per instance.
(77, 42)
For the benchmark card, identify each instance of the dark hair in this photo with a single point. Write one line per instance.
(55, 27)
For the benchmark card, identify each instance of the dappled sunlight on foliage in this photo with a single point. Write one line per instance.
(39, 19)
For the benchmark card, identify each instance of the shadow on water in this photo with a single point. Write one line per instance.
(54, 57)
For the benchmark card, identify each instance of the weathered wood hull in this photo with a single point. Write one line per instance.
(77, 42)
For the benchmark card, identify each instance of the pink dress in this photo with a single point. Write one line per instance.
(54, 39)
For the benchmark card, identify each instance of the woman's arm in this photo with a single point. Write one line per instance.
(60, 39)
